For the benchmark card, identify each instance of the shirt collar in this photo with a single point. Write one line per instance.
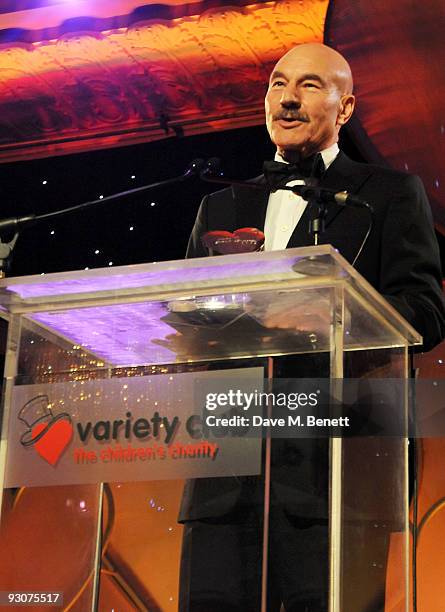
(328, 155)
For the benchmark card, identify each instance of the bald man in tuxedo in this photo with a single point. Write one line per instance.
(309, 98)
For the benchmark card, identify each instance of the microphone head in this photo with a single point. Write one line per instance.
(213, 167)
(194, 167)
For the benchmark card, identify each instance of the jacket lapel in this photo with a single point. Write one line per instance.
(343, 174)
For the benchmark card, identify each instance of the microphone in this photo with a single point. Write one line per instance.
(212, 173)
(193, 169)
(212, 167)
(328, 196)
(324, 196)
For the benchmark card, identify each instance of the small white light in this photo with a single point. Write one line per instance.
(110, 263)
(133, 176)
(52, 232)
(101, 197)
(131, 228)
(44, 182)
(87, 268)
(153, 204)
(96, 252)
(440, 361)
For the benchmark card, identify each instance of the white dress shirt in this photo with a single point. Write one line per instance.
(284, 209)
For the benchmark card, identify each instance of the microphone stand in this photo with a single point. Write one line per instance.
(6, 248)
(317, 224)
(321, 196)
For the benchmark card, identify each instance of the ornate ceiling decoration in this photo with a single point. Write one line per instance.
(120, 74)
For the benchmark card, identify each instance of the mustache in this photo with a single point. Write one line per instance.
(293, 115)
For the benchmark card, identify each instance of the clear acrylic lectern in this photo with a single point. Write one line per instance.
(123, 384)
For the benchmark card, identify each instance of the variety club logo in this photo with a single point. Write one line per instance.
(50, 435)
(47, 433)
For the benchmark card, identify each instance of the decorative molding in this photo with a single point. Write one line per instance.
(152, 80)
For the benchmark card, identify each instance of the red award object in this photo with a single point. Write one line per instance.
(244, 240)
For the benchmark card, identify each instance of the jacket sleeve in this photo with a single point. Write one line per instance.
(410, 270)
(195, 247)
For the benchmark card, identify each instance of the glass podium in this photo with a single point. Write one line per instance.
(208, 434)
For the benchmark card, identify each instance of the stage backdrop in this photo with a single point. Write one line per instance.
(91, 74)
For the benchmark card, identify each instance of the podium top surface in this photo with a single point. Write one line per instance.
(167, 290)
(177, 276)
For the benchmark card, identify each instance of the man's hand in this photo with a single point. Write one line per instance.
(294, 311)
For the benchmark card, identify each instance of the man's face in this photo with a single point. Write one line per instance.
(305, 106)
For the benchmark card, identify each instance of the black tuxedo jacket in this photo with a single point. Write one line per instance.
(400, 259)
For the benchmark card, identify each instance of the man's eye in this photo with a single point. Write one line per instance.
(309, 84)
(278, 83)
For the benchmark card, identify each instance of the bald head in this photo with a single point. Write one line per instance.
(327, 60)
(308, 100)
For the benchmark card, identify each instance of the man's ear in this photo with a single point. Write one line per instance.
(347, 104)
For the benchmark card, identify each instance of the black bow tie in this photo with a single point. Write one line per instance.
(278, 174)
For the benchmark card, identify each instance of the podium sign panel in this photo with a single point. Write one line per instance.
(124, 429)
(102, 424)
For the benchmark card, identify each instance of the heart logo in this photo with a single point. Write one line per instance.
(52, 444)
(244, 240)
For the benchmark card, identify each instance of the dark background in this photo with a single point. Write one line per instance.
(160, 232)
